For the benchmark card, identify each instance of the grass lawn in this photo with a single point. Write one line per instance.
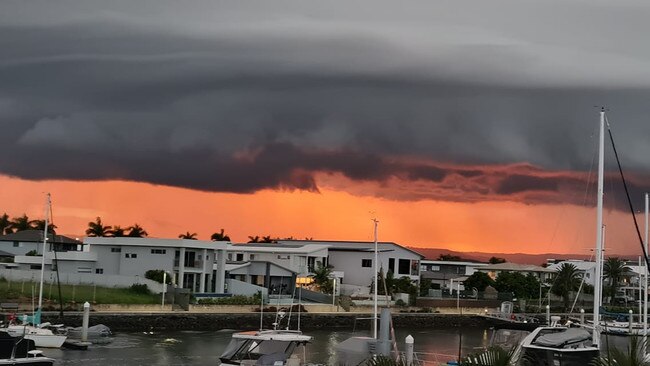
(21, 291)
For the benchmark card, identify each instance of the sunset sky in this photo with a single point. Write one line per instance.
(461, 125)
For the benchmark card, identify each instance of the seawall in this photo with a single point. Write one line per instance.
(251, 321)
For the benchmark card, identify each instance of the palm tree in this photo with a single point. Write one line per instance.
(267, 239)
(322, 278)
(614, 269)
(21, 223)
(136, 231)
(567, 279)
(5, 225)
(220, 236)
(117, 231)
(633, 356)
(188, 235)
(493, 356)
(40, 225)
(98, 229)
(254, 239)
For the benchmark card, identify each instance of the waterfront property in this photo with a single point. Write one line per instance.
(352, 262)
(443, 274)
(300, 258)
(27, 241)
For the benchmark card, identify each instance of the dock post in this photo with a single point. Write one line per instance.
(548, 315)
(630, 318)
(409, 350)
(84, 324)
(582, 316)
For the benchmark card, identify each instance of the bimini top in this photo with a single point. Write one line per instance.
(273, 335)
(564, 338)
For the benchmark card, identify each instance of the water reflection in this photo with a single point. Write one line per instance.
(204, 347)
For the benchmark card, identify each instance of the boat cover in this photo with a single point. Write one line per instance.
(560, 339)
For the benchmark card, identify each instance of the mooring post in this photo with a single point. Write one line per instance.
(409, 350)
(84, 324)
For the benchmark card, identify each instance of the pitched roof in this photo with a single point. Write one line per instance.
(33, 236)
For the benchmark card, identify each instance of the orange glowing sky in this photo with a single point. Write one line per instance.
(499, 227)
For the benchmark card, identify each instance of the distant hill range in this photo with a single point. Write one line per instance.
(522, 258)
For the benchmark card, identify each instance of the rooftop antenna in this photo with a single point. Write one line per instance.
(375, 267)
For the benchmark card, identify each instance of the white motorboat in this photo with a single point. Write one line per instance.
(266, 347)
(42, 337)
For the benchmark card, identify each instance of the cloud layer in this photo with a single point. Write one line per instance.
(471, 100)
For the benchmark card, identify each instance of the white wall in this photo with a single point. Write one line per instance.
(78, 279)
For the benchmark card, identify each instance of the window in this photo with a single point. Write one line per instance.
(415, 268)
(435, 268)
(116, 250)
(284, 257)
(158, 251)
(366, 263)
(391, 265)
(240, 257)
(99, 270)
(130, 255)
(16, 244)
(35, 266)
(251, 257)
(229, 256)
(84, 270)
(404, 266)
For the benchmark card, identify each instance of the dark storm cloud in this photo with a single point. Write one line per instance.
(223, 97)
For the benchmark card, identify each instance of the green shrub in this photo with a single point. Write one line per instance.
(400, 302)
(233, 300)
(158, 275)
(32, 253)
(140, 288)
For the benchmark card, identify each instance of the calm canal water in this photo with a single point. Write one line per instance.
(204, 347)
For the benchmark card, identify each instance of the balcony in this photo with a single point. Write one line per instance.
(189, 264)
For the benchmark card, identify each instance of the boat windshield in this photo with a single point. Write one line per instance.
(255, 349)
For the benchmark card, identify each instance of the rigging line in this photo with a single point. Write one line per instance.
(627, 194)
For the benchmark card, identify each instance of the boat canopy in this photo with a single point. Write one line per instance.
(563, 338)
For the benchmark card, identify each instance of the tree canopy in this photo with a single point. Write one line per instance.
(98, 229)
(567, 279)
(479, 281)
(220, 236)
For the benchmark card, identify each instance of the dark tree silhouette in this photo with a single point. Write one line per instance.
(40, 225)
(220, 236)
(21, 223)
(136, 231)
(188, 235)
(96, 228)
(117, 231)
(5, 225)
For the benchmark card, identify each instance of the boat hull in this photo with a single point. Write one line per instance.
(31, 361)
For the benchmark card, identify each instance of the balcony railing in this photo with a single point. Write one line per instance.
(189, 264)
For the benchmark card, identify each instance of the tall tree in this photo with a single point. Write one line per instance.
(5, 224)
(254, 239)
(478, 280)
(188, 235)
(97, 228)
(322, 278)
(614, 269)
(567, 279)
(220, 236)
(21, 223)
(496, 260)
(40, 225)
(136, 231)
(117, 231)
(267, 239)
(449, 257)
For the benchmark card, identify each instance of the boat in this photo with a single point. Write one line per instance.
(21, 351)
(31, 327)
(564, 345)
(265, 347)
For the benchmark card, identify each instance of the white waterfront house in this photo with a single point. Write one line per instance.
(443, 274)
(352, 261)
(191, 262)
(26, 241)
(300, 258)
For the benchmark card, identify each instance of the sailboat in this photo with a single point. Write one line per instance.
(36, 331)
(561, 345)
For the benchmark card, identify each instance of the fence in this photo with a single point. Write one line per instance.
(102, 280)
(236, 287)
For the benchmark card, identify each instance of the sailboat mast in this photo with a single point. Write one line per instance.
(599, 228)
(645, 276)
(48, 202)
(375, 268)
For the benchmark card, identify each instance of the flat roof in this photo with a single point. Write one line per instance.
(155, 242)
(277, 248)
(352, 245)
(454, 263)
(36, 236)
